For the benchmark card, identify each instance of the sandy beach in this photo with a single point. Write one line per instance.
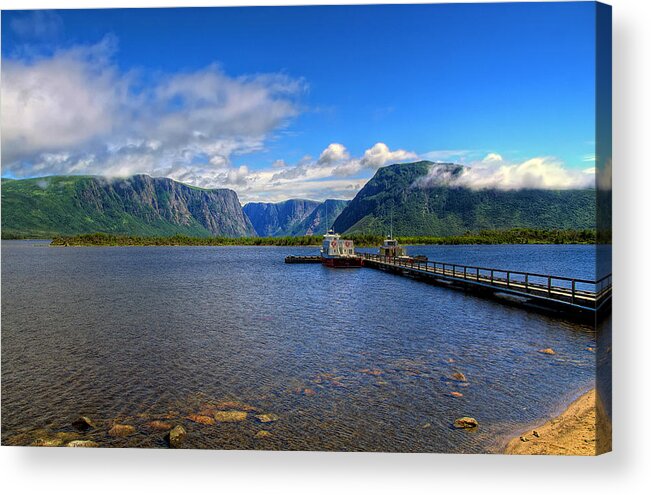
(574, 432)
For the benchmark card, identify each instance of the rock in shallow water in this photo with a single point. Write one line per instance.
(83, 423)
(177, 436)
(202, 419)
(267, 418)
(263, 434)
(122, 430)
(83, 443)
(549, 351)
(159, 425)
(465, 422)
(230, 416)
(460, 377)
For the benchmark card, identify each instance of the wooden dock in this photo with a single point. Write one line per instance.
(568, 297)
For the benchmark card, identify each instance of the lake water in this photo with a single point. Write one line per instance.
(352, 359)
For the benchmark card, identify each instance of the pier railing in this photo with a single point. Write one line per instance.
(576, 291)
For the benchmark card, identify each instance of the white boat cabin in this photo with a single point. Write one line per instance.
(335, 246)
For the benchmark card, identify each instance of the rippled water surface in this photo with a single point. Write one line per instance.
(352, 359)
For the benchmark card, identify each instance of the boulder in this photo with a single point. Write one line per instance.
(466, 422)
(458, 376)
(199, 418)
(177, 436)
(230, 416)
(122, 430)
(549, 351)
(47, 442)
(536, 434)
(83, 423)
(267, 418)
(263, 434)
(159, 425)
(456, 394)
(82, 443)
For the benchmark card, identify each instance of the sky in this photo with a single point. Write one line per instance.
(307, 102)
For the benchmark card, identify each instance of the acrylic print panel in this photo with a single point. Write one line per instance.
(351, 228)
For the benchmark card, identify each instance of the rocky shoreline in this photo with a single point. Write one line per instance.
(573, 432)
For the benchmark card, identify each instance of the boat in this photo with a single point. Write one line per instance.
(391, 249)
(339, 253)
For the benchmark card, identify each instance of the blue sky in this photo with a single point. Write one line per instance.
(309, 101)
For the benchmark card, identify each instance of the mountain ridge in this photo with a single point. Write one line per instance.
(393, 196)
(136, 205)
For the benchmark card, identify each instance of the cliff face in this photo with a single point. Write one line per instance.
(398, 196)
(138, 205)
(315, 223)
(279, 219)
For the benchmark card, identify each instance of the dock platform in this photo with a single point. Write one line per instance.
(568, 297)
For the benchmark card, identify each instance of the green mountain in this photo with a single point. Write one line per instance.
(399, 193)
(138, 205)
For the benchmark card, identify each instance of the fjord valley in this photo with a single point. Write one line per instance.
(401, 198)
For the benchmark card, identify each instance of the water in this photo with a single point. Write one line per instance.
(352, 359)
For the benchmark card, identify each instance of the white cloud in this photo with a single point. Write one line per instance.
(333, 153)
(379, 155)
(76, 105)
(493, 157)
(494, 173)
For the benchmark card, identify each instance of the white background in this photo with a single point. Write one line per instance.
(626, 470)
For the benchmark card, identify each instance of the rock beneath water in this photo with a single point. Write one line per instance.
(233, 405)
(267, 418)
(204, 420)
(263, 434)
(591, 349)
(460, 377)
(122, 430)
(66, 436)
(456, 394)
(83, 423)
(83, 443)
(372, 372)
(176, 437)
(549, 350)
(47, 442)
(309, 392)
(466, 422)
(159, 425)
(230, 416)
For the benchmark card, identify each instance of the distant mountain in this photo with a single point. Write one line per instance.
(278, 219)
(294, 217)
(138, 205)
(315, 223)
(399, 192)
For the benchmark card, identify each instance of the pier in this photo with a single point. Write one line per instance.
(572, 298)
(564, 296)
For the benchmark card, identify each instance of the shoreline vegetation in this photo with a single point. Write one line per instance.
(512, 236)
(573, 432)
